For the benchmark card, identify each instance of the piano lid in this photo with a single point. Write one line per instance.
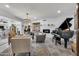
(64, 25)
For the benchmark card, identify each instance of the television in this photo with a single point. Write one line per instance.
(46, 30)
(2, 27)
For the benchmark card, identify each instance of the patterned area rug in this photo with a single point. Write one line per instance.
(44, 49)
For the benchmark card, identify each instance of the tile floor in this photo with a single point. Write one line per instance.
(39, 49)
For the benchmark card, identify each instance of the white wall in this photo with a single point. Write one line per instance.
(72, 22)
(57, 22)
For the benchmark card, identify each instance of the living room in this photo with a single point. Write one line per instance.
(30, 29)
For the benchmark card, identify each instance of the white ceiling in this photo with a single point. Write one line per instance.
(38, 10)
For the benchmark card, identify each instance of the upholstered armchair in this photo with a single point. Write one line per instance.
(40, 38)
(20, 46)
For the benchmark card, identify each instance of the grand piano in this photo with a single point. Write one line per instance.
(61, 29)
(64, 26)
(64, 31)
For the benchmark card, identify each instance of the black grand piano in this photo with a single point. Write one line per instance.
(65, 25)
(64, 31)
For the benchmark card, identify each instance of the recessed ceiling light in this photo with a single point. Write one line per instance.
(7, 6)
(58, 11)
